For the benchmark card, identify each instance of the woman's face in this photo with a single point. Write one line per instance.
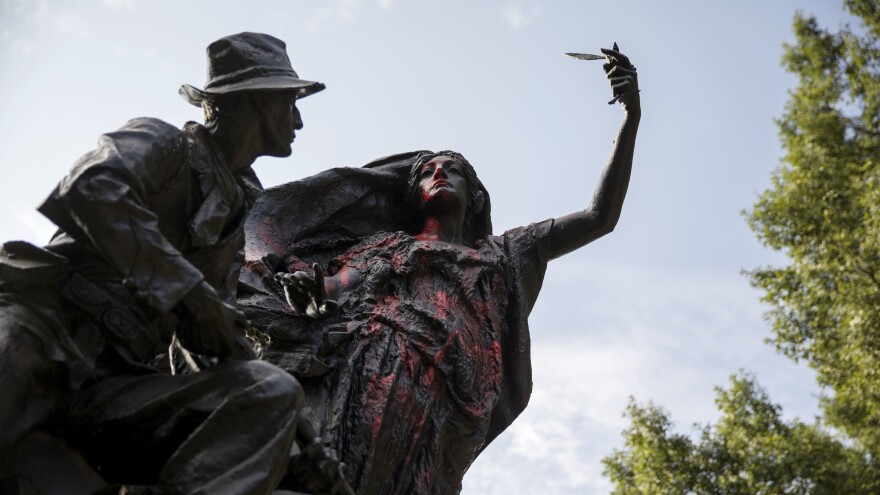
(442, 183)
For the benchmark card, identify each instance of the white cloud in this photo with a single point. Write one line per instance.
(22, 48)
(572, 421)
(15, 5)
(122, 51)
(30, 19)
(119, 4)
(63, 22)
(652, 334)
(337, 12)
(20, 16)
(385, 4)
(516, 16)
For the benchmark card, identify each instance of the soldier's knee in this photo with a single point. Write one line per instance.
(29, 380)
(281, 383)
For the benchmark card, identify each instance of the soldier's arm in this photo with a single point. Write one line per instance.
(105, 202)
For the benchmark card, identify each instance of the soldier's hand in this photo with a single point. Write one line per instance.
(242, 348)
(317, 469)
(213, 327)
(306, 293)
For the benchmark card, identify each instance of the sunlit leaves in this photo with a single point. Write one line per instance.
(751, 450)
(823, 211)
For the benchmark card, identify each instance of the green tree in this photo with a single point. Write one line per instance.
(751, 450)
(823, 211)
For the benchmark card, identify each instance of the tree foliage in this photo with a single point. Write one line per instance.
(751, 450)
(823, 211)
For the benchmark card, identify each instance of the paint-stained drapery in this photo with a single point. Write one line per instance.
(428, 360)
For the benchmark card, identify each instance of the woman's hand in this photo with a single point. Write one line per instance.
(306, 293)
(624, 80)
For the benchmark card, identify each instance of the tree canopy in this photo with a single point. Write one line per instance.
(751, 450)
(823, 211)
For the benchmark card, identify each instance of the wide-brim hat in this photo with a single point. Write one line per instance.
(248, 62)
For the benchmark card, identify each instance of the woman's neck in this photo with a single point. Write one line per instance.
(444, 229)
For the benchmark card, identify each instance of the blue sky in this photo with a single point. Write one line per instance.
(658, 310)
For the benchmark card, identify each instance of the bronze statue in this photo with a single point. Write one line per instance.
(414, 348)
(147, 256)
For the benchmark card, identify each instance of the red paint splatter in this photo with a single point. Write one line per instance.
(376, 399)
(441, 302)
(398, 259)
(373, 329)
(344, 276)
(409, 361)
(438, 357)
(269, 232)
(495, 356)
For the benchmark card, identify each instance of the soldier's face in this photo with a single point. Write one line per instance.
(281, 120)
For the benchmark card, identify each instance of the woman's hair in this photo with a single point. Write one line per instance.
(413, 193)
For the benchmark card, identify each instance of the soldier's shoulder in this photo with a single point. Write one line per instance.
(151, 125)
(144, 137)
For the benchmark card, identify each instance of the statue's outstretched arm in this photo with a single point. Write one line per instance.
(599, 218)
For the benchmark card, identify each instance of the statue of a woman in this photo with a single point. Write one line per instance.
(423, 357)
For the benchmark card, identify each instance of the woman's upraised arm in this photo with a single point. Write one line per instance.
(578, 229)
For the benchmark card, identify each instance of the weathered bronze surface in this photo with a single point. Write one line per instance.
(392, 324)
(385, 293)
(145, 265)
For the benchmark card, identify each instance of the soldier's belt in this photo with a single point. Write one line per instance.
(124, 326)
